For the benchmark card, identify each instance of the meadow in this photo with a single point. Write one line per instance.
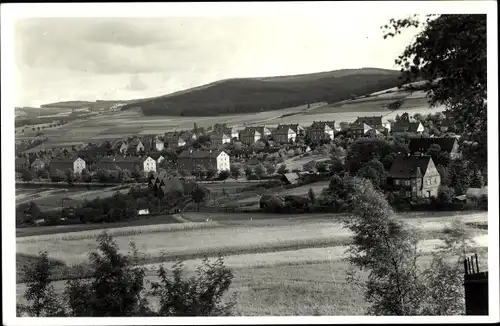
(191, 240)
(302, 282)
(50, 198)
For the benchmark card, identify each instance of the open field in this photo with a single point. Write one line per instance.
(72, 248)
(317, 187)
(302, 282)
(50, 198)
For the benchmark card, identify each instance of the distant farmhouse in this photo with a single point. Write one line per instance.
(407, 127)
(447, 144)
(364, 126)
(284, 134)
(76, 165)
(415, 175)
(321, 130)
(145, 164)
(210, 160)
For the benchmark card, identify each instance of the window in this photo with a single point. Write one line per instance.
(407, 182)
(408, 194)
(396, 182)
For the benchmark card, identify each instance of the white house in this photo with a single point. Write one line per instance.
(223, 161)
(160, 159)
(78, 165)
(226, 139)
(148, 165)
(159, 145)
(144, 211)
(181, 142)
(387, 125)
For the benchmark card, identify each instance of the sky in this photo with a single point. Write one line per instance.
(63, 59)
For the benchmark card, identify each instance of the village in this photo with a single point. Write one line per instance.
(408, 158)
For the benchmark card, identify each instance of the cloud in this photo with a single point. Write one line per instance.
(80, 57)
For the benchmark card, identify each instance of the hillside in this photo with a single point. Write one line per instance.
(250, 95)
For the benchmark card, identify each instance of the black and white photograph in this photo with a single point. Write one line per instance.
(282, 162)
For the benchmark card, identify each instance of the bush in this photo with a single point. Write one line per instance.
(201, 295)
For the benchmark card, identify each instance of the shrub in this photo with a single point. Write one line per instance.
(201, 295)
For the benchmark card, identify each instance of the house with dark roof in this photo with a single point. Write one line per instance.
(120, 145)
(131, 163)
(283, 134)
(176, 139)
(358, 130)
(217, 139)
(38, 165)
(135, 146)
(262, 130)
(217, 160)
(298, 129)
(407, 127)
(321, 130)
(249, 137)
(374, 121)
(415, 176)
(75, 164)
(447, 144)
(222, 128)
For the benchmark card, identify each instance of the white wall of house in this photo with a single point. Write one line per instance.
(149, 165)
(291, 134)
(420, 128)
(226, 139)
(159, 145)
(330, 132)
(257, 136)
(223, 162)
(181, 142)
(235, 134)
(78, 165)
(123, 148)
(160, 159)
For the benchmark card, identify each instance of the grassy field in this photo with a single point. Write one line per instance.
(50, 198)
(304, 282)
(190, 240)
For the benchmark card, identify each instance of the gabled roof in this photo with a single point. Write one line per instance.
(218, 136)
(423, 144)
(371, 121)
(409, 166)
(294, 126)
(282, 130)
(120, 159)
(293, 178)
(405, 127)
(360, 126)
(322, 124)
(259, 129)
(249, 133)
(477, 192)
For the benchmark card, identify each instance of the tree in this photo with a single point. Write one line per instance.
(200, 295)
(70, 177)
(43, 174)
(270, 168)
(58, 176)
(235, 171)
(446, 195)
(248, 172)
(310, 166)
(450, 55)
(223, 175)
(460, 175)
(477, 180)
(282, 169)
(312, 195)
(115, 288)
(387, 249)
(336, 166)
(373, 171)
(26, 175)
(40, 294)
(260, 171)
(211, 173)
(86, 177)
(363, 151)
(198, 195)
(322, 167)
